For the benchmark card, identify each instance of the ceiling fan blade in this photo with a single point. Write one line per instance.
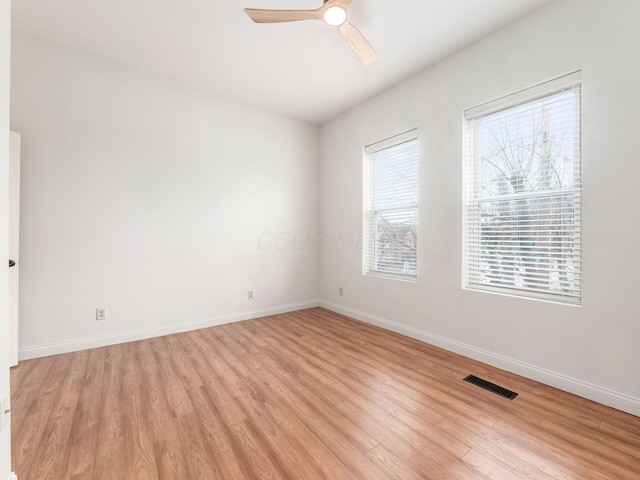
(338, 3)
(359, 44)
(278, 16)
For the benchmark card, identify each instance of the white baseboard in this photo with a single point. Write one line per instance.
(38, 351)
(12, 476)
(598, 394)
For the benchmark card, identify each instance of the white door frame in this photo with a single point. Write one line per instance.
(14, 243)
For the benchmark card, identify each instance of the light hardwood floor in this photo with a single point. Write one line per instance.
(304, 395)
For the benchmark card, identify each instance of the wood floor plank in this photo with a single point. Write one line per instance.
(174, 389)
(84, 430)
(167, 448)
(630, 439)
(200, 462)
(26, 439)
(620, 453)
(204, 362)
(110, 461)
(392, 465)
(520, 460)
(262, 460)
(139, 456)
(291, 454)
(172, 465)
(320, 414)
(488, 467)
(26, 383)
(303, 395)
(218, 439)
(326, 446)
(409, 446)
(51, 458)
(49, 389)
(563, 455)
(111, 421)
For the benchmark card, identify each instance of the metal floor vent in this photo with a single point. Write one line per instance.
(492, 387)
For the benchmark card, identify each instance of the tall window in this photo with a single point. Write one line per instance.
(523, 193)
(390, 186)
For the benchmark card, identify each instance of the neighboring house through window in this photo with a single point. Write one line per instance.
(522, 206)
(390, 207)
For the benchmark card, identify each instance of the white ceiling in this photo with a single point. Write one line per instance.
(302, 69)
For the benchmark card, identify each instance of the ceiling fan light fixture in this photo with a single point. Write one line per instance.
(335, 16)
(333, 12)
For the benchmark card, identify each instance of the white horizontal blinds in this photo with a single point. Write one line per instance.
(523, 194)
(391, 206)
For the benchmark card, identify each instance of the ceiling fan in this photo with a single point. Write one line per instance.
(333, 13)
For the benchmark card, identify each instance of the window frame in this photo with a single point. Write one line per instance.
(369, 210)
(472, 183)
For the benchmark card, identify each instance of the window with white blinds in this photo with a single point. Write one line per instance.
(390, 207)
(522, 218)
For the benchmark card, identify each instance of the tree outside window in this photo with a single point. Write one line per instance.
(523, 206)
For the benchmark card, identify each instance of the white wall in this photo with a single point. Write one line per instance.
(5, 41)
(591, 350)
(150, 199)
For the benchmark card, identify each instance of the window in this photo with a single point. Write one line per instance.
(390, 179)
(522, 227)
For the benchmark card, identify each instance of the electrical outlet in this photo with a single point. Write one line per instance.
(6, 414)
(101, 313)
(250, 295)
(341, 291)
